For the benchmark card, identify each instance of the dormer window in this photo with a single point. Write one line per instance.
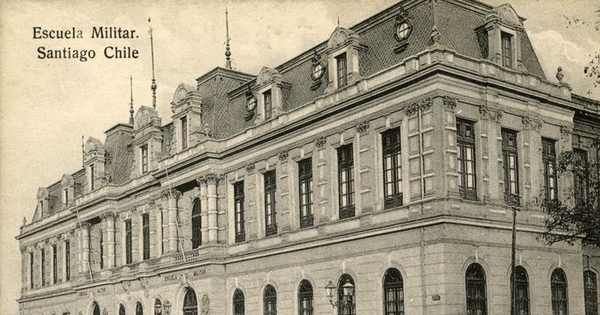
(92, 178)
(184, 132)
(144, 154)
(268, 101)
(507, 50)
(66, 196)
(342, 70)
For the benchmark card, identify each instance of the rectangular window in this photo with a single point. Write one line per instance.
(270, 210)
(507, 53)
(67, 260)
(305, 178)
(128, 247)
(465, 134)
(31, 270)
(54, 265)
(346, 181)
(581, 175)
(146, 235)
(92, 177)
(342, 70)
(392, 168)
(43, 266)
(510, 164)
(268, 100)
(549, 161)
(184, 133)
(66, 196)
(101, 249)
(144, 153)
(238, 191)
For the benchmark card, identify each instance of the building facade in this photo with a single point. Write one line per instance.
(374, 173)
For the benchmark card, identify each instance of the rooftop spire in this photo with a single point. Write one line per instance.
(153, 86)
(131, 100)
(227, 52)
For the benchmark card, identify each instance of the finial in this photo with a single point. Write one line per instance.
(338, 21)
(82, 153)
(131, 100)
(559, 74)
(227, 49)
(153, 86)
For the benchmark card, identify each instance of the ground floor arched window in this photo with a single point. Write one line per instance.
(95, 309)
(305, 298)
(558, 286)
(346, 306)
(393, 292)
(476, 294)
(238, 302)
(590, 287)
(190, 303)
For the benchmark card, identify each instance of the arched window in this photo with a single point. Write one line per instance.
(347, 306)
(238, 302)
(558, 284)
(95, 309)
(305, 298)
(522, 284)
(393, 292)
(590, 287)
(139, 309)
(475, 283)
(196, 224)
(270, 300)
(157, 307)
(190, 303)
(121, 309)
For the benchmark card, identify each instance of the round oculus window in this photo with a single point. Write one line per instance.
(317, 71)
(403, 30)
(251, 104)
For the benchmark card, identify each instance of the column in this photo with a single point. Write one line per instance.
(203, 208)
(109, 242)
(211, 194)
(84, 236)
(170, 198)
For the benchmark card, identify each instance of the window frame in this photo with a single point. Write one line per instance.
(92, 177)
(31, 269)
(67, 260)
(346, 308)
(144, 158)
(54, 264)
(507, 49)
(393, 288)
(270, 188)
(391, 147)
(345, 159)
(522, 285)
(269, 300)
(475, 290)
(305, 293)
(465, 143)
(590, 292)
(268, 104)
(341, 62)
(549, 163)
(558, 282)
(190, 302)
(239, 223)
(101, 248)
(580, 180)
(238, 302)
(196, 223)
(305, 192)
(145, 236)
(43, 266)
(128, 242)
(184, 132)
(139, 308)
(509, 151)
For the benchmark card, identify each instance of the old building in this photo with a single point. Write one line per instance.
(374, 173)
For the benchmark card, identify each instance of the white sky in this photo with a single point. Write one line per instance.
(47, 105)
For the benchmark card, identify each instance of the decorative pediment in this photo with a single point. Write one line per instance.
(506, 14)
(92, 146)
(144, 117)
(66, 180)
(267, 75)
(42, 193)
(182, 93)
(340, 37)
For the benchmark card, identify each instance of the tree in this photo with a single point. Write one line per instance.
(577, 217)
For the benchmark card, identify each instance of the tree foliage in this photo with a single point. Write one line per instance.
(578, 216)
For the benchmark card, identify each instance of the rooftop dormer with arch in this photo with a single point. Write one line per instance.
(187, 117)
(94, 157)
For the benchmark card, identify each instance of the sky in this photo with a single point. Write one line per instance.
(47, 105)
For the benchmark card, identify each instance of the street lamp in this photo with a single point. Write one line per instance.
(167, 307)
(347, 292)
(514, 204)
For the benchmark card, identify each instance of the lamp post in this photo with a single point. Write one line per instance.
(348, 292)
(167, 307)
(514, 204)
